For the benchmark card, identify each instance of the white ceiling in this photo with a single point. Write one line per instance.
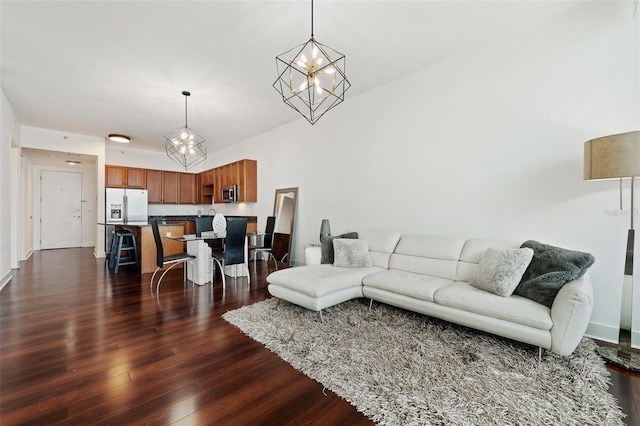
(100, 67)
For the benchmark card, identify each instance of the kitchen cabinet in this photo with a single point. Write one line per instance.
(187, 188)
(135, 178)
(114, 176)
(170, 187)
(189, 227)
(205, 186)
(154, 186)
(247, 175)
(243, 173)
(124, 177)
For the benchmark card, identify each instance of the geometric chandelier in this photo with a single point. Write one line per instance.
(184, 146)
(311, 78)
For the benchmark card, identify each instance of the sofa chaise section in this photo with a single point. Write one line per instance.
(317, 287)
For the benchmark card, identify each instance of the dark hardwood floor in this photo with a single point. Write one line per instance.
(81, 345)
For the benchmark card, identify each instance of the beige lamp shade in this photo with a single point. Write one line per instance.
(612, 157)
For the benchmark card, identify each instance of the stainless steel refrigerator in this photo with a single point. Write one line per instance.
(123, 206)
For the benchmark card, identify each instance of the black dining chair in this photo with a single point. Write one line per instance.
(267, 242)
(234, 253)
(205, 224)
(172, 259)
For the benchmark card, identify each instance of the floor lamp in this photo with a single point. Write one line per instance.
(617, 157)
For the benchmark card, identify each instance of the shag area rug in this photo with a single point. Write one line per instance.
(400, 368)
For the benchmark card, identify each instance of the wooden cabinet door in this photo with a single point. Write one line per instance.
(190, 227)
(135, 178)
(187, 189)
(170, 187)
(114, 177)
(154, 186)
(234, 173)
(207, 177)
(248, 181)
(198, 179)
(217, 185)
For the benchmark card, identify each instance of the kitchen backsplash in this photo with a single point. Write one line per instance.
(205, 209)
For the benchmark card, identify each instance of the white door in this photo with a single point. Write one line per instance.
(60, 209)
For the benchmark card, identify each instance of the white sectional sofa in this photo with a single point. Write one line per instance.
(430, 275)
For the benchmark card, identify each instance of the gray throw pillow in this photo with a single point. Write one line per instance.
(349, 253)
(500, 270)
(327, 245)
(550, 269)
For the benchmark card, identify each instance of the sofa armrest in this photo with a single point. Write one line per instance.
(570, 313)
(312, 255)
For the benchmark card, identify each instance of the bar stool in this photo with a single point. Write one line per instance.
(123, 241)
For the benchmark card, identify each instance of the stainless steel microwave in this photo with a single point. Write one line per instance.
(230, 193)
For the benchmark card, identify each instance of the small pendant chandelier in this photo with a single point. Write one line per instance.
(184, 146)
(311, 78)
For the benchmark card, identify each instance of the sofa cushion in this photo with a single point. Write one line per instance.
(517, 309)
(319, 280)
(473, 252)
(327, 245)
(350, 253)
(428, 255)
(500, 270)
(381, 245)
(409, 284)
(550, 269)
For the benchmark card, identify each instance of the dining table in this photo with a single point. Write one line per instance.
(202, 270)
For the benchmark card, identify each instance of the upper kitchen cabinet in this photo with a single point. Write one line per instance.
(187, 191)
(154, 186)
(247, 181)
(205, 186)
(114, 176)
(124, 177)
(170, 187)
(244, 174)
(135, 178)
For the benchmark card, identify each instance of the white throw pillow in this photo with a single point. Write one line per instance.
(351, 253)
(500, 270)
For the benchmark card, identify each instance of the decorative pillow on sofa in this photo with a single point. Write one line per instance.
(327, 245)
(350, 253)
(550, 269)
(500, 270)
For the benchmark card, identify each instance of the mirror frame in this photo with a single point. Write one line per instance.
(279, 193)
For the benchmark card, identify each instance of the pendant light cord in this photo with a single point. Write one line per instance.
(311, 18)
(185, 111)
(186, 95)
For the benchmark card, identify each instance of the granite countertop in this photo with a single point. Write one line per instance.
(143, 223)
(169, 220)
(183, 218)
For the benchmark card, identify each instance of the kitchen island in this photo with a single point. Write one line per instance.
(147, 245)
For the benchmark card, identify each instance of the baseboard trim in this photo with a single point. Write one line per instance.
(28, 254)
(5, 280)
(606, 333)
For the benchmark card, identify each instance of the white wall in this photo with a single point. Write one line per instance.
(485, 144)
(9, 140)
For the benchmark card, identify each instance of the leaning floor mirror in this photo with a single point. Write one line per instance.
(284, 209)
